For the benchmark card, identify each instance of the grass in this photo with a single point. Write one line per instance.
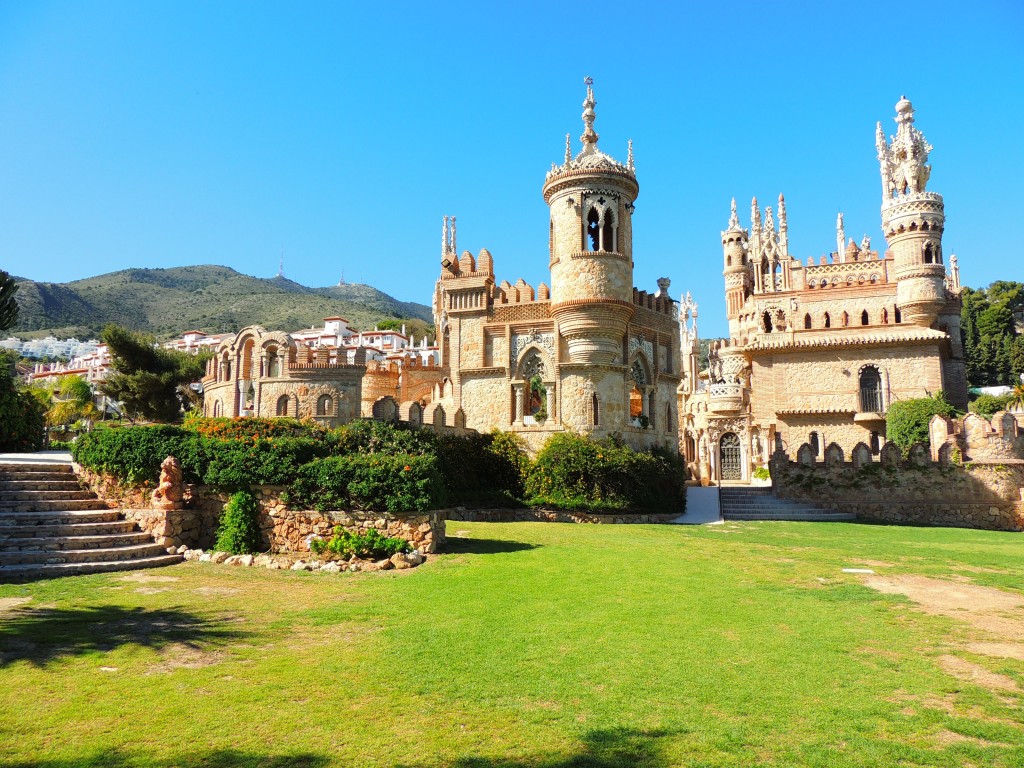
(528, 644)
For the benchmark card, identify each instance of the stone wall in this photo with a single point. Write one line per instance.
(282, 529)
(909, 490)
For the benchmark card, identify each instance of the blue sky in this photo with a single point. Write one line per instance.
(144, 134)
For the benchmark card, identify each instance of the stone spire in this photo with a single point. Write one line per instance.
(903, 161)
(629, 156)
(783, 227)
(568, 149)
(734, 220)
(589, 137)
(840, 239)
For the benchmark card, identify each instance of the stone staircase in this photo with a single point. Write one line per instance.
(50, 526)
(745, 503)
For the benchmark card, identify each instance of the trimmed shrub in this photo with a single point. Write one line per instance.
(371, 545)
(399, 483)
(367, 436)
(989, 405)
(482, 468)
(22, 416)
(134, 454)
(906, 422)
(239, 529)
(236, 464)
(250, 429)
(576, 473)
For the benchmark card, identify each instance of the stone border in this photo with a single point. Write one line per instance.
(525, 515)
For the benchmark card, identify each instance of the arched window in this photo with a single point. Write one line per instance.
(594, 229)
(928, 253)
(875, 442)
(846, 318)
(885, 316)
(828, 320)
(766, 322)
(595, 405)
(273, 363)
(608, 232)
(899, 315)
(225, 368)
(217, 409)
(324, 405)
(870, 390)
(814, 443)
(807, 321)
(864, 317)
(282, 405)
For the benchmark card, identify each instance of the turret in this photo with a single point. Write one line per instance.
(912, 219)
(736, 271)
(591, 200)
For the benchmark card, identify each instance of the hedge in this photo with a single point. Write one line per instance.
(392, 483)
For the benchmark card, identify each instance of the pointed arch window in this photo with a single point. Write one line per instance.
(608, 232)
(807, 322)
(885, 316)
(870, 390)
(282, 405)
(898, 315)
(766, 322)
(324, 405)
(864, 317)
(828, 320)
(928, 257)
(846, 318)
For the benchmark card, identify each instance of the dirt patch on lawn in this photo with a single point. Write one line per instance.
(147, 578)
(181, 656)
(216, 590)
(977, 674)
(6, 603)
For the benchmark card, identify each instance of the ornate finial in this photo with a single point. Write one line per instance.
(454, 249)
(589, 137)
(629, 156)
(769, 220)
(782, 212)
(444, 237)
(734, 220)
(755, 214)
(903, 160)
(568, 149)
(840, 238)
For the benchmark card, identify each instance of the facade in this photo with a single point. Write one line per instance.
(590, 353)
(817, 351)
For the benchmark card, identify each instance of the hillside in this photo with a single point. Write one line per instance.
(213, 299)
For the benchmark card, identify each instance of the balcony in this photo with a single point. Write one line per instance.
(726, 398)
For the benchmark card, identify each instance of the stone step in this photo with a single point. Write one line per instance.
(810, 517)
(74, 505)
(44, 530)
(103, 554)
(67, 543)
(19, 469)
(58, 517)
(63, 494)
(19, 573)
(64, 484)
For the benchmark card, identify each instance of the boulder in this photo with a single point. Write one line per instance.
(219, 557)
(400, 561)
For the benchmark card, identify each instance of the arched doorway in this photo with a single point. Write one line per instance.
(730, 457)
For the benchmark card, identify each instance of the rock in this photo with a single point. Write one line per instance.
(182, 549)
(233, 560)
(205, 557)
(331, 568)
(399, 561)
(299, 565)
(219, 557)
(172, 550)
(414, 557)
(262, 561)
(273, 565)
(245, 560)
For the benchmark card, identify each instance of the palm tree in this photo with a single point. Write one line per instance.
(1016, 398)
(72, 400)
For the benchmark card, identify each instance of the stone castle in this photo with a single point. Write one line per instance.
(817, 351)
(590, 353)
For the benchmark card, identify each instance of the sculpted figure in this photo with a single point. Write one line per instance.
(169, 492)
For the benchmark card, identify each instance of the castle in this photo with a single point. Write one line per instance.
(590, 353)
(818, 351)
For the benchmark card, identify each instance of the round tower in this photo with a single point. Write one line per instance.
(591, 200)
(912, 219)
(737, 280)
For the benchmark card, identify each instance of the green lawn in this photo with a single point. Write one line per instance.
(530, 645)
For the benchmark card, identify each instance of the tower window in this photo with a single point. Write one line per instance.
(595, 405)
(846, 318)
(864, 317)
(608, 232)
(594, 229)
(766, 322)
(828, 320)
(807, 321)
(899, 315)
(324, 405)
(885, 316)
(928, 258)
(870, 390)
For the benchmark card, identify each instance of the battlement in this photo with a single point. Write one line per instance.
(520, 293)
(468, 265)
(662, 304)
(978, 439)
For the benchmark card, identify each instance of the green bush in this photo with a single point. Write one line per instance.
(906, 421)
(250, 428)
(380, 482)
(60, 445)
(366, 436)
(235, 464)
(482, 468)
(761, 473)
(371, 545)
(22, 416)
(989, 405)
(134, 454)
(576, 473)
(239, 529)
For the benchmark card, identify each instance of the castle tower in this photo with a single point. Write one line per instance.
(591, 246)
(737, 274)
(912, 219)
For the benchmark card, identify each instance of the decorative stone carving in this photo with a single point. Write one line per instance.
(520, 341)
(170, 492)
(644, 345)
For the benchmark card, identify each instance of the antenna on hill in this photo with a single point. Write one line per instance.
(342, 280)
(280, 268)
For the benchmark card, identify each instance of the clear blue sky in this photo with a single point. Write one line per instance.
(143, 134)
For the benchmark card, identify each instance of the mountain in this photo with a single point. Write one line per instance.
(166, 302)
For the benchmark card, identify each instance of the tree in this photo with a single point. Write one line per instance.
(993, 345)
(8, 304)
(146, 377)
(70, 401)
(21, 417)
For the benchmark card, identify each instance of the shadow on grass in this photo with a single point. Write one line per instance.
(49, 634)
(610, 748)
(458, 545)
(221, 758)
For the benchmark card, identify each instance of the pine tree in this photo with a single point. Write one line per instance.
(8, 304)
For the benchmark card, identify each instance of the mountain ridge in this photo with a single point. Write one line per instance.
(209, 298)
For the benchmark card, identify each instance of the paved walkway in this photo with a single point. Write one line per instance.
(701, 507)
(40, 457)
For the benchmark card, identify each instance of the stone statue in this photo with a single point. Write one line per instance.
(170, 492)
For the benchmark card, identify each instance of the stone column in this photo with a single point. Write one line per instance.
(550, 389)
(518, 413)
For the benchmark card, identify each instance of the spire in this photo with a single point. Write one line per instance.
(589, 137)
(840, 239)
(568, 149)
(734, 220)
(629, 156)
(454, 249)
(903, 160)
(783, 226)
(444, 237)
